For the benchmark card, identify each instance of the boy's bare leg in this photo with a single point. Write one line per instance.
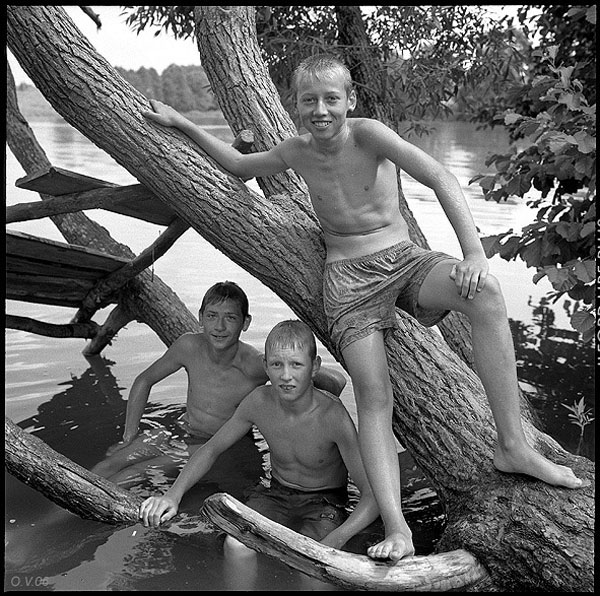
(367, 365)
(493, 351)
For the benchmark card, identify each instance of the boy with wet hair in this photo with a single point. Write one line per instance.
(372, 267)
(313, 447)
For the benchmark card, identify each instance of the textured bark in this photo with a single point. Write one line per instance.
(64, 482)
(441, 412)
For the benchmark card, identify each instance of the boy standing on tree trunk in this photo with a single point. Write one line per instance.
(350, 166)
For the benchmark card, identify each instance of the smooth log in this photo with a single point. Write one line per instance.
(434, 573)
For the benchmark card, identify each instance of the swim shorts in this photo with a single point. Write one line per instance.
(360, 294)
(311, 513)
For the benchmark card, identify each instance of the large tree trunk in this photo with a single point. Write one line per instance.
(529, 536)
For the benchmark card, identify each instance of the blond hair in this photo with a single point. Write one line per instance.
(322, 66)
(292, 334)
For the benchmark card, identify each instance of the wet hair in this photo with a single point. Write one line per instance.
(322, 66)
(226, 290)
(292, 334)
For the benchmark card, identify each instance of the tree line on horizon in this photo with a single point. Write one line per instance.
(185, 88)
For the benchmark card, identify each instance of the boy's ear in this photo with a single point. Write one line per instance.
(247, 322)
(352, 100)
(316, 365)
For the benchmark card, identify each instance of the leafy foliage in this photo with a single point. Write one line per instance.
(553, 156)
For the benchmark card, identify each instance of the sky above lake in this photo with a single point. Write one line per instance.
(117, 42)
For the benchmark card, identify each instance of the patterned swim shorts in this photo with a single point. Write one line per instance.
(360, 294)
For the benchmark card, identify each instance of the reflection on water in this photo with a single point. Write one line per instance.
(77, 405)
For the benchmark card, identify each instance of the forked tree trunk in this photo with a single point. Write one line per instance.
(528, 535)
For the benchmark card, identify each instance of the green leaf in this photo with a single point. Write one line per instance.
(562, 279)
(585, 271)
(511, 118)
(583, 321)
(585, 142)
(568, 230)
(587, 229)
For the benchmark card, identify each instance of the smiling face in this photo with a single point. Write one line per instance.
(323, 103)
(223, 323)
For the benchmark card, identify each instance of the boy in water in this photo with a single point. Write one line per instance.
(221, 371)
(312, 443)
(350, 166)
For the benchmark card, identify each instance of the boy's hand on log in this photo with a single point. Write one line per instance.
(155, 510)
(163, 114)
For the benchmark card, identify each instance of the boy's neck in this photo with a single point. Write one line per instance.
(300, 405)
(223, 357)
(334, 144)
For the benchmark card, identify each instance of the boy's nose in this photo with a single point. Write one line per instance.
(320, 107)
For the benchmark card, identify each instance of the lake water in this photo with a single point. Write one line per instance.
(74, 403)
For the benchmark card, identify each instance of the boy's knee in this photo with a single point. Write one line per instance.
(490, 301)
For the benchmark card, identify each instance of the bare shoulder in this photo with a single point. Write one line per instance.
(331, 407)
(256, 404)
(369, 129)
(292, 146)
(189, 342)
(251, 361)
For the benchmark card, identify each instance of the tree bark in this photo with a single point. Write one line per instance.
(435, 573)
(63, 481)
(528, 535)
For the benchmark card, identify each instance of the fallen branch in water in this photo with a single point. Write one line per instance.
(434, 573)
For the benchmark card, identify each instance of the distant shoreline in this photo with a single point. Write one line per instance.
(35, 107)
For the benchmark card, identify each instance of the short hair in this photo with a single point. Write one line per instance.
(226, 290)
(292, 334)
(322, 66)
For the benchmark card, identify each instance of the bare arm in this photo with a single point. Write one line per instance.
(155, 510)
(170, 362)
(264, 163)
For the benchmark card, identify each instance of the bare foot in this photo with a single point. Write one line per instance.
(394, 546)
(530, 462)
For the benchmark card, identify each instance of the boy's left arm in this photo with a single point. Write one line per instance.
(470, 274)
